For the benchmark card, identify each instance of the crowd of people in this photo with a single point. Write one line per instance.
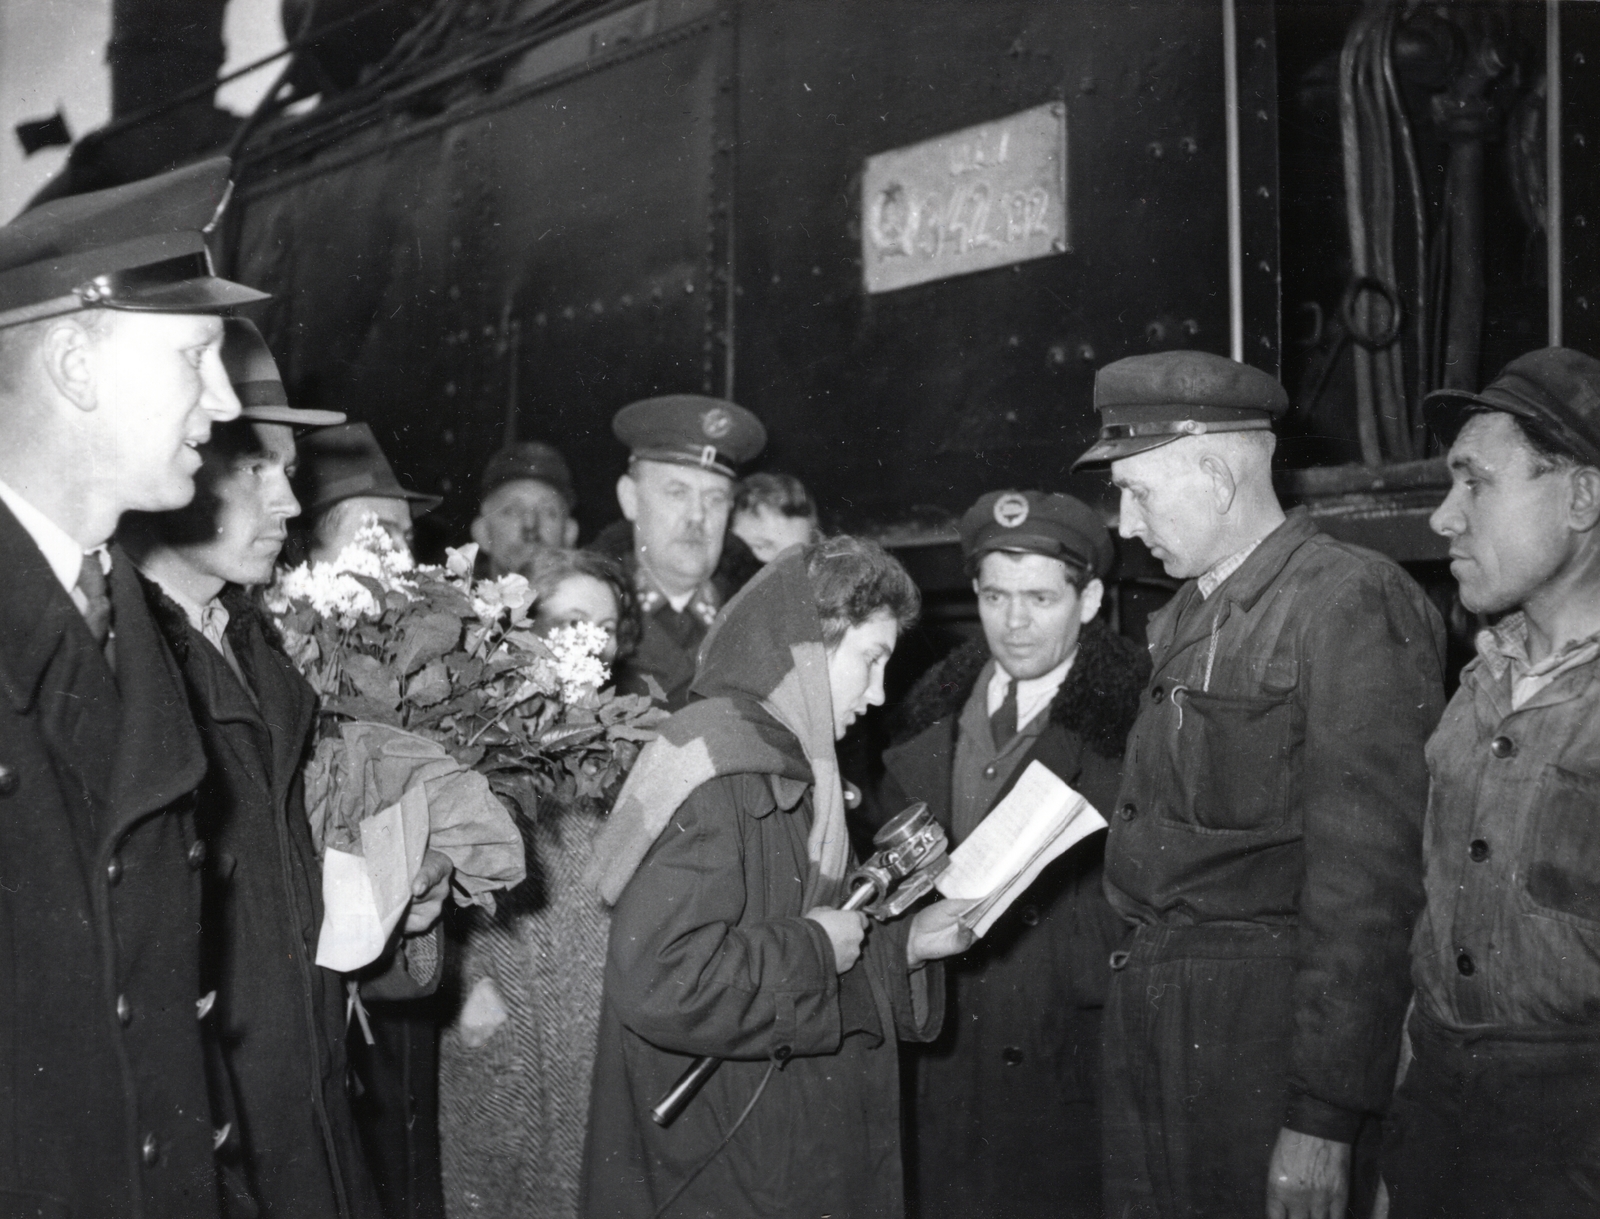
(1337, 951)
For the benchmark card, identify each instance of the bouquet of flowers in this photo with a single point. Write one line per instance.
(437, 695)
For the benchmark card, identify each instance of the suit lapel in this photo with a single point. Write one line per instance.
(50, 665)
(159, 757)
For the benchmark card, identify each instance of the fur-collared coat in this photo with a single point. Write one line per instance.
(1005, 1119)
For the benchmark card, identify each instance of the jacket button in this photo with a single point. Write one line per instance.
(197, 854)
(1503, 747)
(10, 780)
(114, 870)
(1011, 1056)
(1030, 916)
(1157, 693)
(124, 1011)
(204, 1004)
(988, 772)
(1478, 850)
(1466, 965)
(150, 1151)
(1128, 812)
(1119, 959)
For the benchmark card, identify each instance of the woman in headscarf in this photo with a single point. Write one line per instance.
(726, 858)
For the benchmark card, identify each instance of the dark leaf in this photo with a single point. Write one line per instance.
(427, 638)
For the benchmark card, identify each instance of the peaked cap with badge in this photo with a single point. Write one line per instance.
(1555, 388)
(1033, 522)
(533, 461)
(691, 430)
(1148, 401)
(139, 247)
(257, 383)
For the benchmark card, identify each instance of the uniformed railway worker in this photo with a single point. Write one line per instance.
(1266, 843)
(677, 494)
(1005, 1120)
(110, 377)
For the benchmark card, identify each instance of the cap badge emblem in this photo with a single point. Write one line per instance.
(716, 423)
(1011, 510)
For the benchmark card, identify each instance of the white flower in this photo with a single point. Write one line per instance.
(490, 598)
(577, 648)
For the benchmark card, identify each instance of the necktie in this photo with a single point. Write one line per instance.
(92, 584)
(1003, 723)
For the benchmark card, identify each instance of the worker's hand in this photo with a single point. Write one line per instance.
(846, 929)
(937, 932)
(428, 891)
(1308, 1178)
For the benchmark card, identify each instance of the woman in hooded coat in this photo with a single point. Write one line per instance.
(725, 857)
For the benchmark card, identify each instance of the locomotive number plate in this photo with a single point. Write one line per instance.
(983, 197)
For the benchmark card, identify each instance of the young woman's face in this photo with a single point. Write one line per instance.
(580, 598)
(855, 668)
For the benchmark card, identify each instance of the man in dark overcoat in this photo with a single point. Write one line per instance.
(279, 1018)
(1006, 1118)
(1266, 842)
(684, 452)
(110, 376)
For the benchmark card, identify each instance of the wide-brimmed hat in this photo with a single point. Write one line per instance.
(254, 375)
(339, 463)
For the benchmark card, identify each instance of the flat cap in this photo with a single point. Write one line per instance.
(254, 375)
(339, 463)
(139, 247)
(691, 430)
(1148, 401)
(1032, 522)
(1555, 388)
(529, 459)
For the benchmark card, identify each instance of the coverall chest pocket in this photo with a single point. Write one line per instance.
(1560, 845)
(1233, 754)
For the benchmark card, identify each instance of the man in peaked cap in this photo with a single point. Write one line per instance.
(525, 505)
(685, 451)
(110, 381)
(1265, 844)
(1006, 1116)
(278, 1019)
(1497, 1116)
(344, 479)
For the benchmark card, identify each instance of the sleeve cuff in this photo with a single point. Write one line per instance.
(1318, 1118)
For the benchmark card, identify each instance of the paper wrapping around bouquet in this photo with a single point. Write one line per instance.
(365, 896)
(408, 795)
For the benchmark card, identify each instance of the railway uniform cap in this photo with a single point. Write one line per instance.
(1555, 388)
(529, 459)
(339, 463)
(139, 247)
(691, 430)
(1148, 401)
(1032, 522)
(255, 378)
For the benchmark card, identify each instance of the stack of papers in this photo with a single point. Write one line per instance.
(1037, 822)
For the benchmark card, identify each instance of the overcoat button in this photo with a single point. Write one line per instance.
(197, 855)
(1128, 812)
(10, 780)
(1011, 1056)
(988, 772)
(150, 1151)
(1478, 850)
(1030, 916)
(113, 870)
(205, 1003)
(1157, 693)
(1466, 965)
(1119, 959)
(1503, 747)
(124, 1011)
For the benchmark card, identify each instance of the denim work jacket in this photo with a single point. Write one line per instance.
(1510, 940)
(1275, 777)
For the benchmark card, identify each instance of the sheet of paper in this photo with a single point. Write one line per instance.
(1038, 821)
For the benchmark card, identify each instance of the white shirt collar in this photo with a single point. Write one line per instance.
(1033, 695)
(60, 548)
